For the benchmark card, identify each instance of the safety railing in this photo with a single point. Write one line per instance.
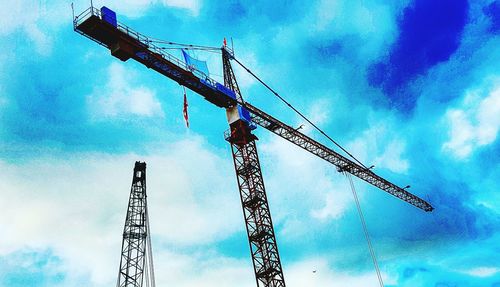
(85, 15)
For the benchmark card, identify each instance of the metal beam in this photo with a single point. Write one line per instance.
(260, 231)
(342, 163)
(133, 266)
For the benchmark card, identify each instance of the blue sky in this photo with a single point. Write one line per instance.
(412, 87)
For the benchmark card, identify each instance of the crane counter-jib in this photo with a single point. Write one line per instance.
(124, 43)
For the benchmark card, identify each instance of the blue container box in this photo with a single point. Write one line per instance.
(245, 117)
(225, 90)
(109, 16)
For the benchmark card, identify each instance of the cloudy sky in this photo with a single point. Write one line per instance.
(412, 87)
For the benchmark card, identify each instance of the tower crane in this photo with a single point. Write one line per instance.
(101, 26)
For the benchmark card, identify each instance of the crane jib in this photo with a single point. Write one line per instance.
(125, 43)
(342, 163)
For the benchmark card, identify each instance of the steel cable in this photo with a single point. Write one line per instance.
(150, 251)
(299, 113)
(365, 229)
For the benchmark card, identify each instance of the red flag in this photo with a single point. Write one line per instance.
(225, 42)
(185, 109)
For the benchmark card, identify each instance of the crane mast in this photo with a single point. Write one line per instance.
(261, 238)
(124, 43)
(136, 262)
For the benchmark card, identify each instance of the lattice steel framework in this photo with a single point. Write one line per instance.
(135, 242)
(342, 163)
(259, 225)
(229, 77)
(263, 247)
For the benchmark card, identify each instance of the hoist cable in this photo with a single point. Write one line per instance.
(150, 251)
(365, 229)
(146, 272)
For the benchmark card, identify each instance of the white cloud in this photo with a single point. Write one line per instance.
(319, 114)
(192, 5)
(40, 20)
(63, 206)
(245, 80)
(3, 99)
(361, 17)
(121, 97)
(393, 157)
(475, 123)
(335, 205)
(201, 196)
(37, 19)
(187, 271)
(374, 22)
(209, 269)
(483, 271)
(380, 145)
(302, 274)
(72, 205)
(43, 42)
(76, 206)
